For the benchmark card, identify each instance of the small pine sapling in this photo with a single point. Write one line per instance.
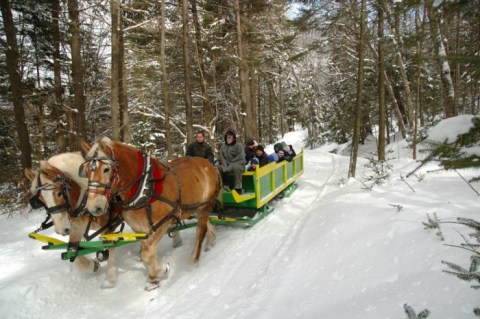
(473, 273)
(411, 314)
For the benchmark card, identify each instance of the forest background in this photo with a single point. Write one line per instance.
(152, 73)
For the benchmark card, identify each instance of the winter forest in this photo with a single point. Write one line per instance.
(154, 72)
(387, 87)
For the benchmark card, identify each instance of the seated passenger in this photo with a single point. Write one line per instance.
(200, 147)
(261, 156)
(285, 152)
(250, 149)
(273, 157)
(232, 159)
(253, 165)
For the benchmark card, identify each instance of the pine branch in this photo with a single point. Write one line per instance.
(434, 223)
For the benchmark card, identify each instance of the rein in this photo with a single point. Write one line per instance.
(143, 189)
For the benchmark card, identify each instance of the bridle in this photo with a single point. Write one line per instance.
(36, 203)
(92, 163)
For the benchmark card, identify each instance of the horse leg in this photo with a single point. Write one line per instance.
(86, 264)
(82, 263)
(211, 236)
(177, 240)
(156, 270)
(202, 226)
(111, 274)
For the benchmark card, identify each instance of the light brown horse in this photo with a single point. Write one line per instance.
(151, 195)
(58, 188)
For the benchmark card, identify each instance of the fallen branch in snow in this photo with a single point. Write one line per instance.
(398, 207)
(403, 179)
(478, 194)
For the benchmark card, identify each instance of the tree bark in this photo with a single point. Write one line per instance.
(359, 94)
(165, 86)
(207, 105)
(115, 70)
(445, 73)
(243, 76)
(187, 72)
(12, 55)
(77, 71)
(125, 130)
(57, 109)
(381, 88)
(401, 63)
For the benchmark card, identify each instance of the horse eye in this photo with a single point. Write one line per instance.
(59, 194)
(106, 170)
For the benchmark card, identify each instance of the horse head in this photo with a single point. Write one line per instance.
(54, 189)
(100, 168)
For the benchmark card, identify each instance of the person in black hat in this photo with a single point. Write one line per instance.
(261, 156)
(250, 148)
(200, 148)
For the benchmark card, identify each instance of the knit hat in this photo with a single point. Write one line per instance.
(254, 160)
(278, 147)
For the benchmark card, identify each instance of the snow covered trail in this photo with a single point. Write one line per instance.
(333, 249)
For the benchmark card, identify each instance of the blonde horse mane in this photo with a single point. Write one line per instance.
(69, 164)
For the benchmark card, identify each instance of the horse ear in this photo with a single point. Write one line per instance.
(29, 174)
(47, 170)
(85, 147)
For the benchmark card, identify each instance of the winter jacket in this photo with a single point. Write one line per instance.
(200, 150)
(231, 154)
(263, 159)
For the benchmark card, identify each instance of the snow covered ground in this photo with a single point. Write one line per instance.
(333, 249)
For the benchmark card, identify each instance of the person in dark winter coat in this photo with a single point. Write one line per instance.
(285, 152)
(261, 156)
(200, 148)
(232, 159)
(250, 149)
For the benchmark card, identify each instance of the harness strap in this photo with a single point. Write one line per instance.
(111, 225)
(45, 224)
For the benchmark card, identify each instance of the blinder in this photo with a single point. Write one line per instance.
(35, 201)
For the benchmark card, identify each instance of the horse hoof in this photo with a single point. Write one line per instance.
(155, 283)
(177, 243)
(107, 284)
(149, 286)
(96, 265)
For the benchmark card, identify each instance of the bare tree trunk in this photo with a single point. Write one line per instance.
(243, 75)
(391, 94)
(207, 106)
(187, 72)
(445, 73)
(419, 28)
(165, 89)
(125, 130)
(401, 63)
(114, 73)
(57, 109)
(12, 55)
(359, 94)
(381, 88)
(77, 70)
